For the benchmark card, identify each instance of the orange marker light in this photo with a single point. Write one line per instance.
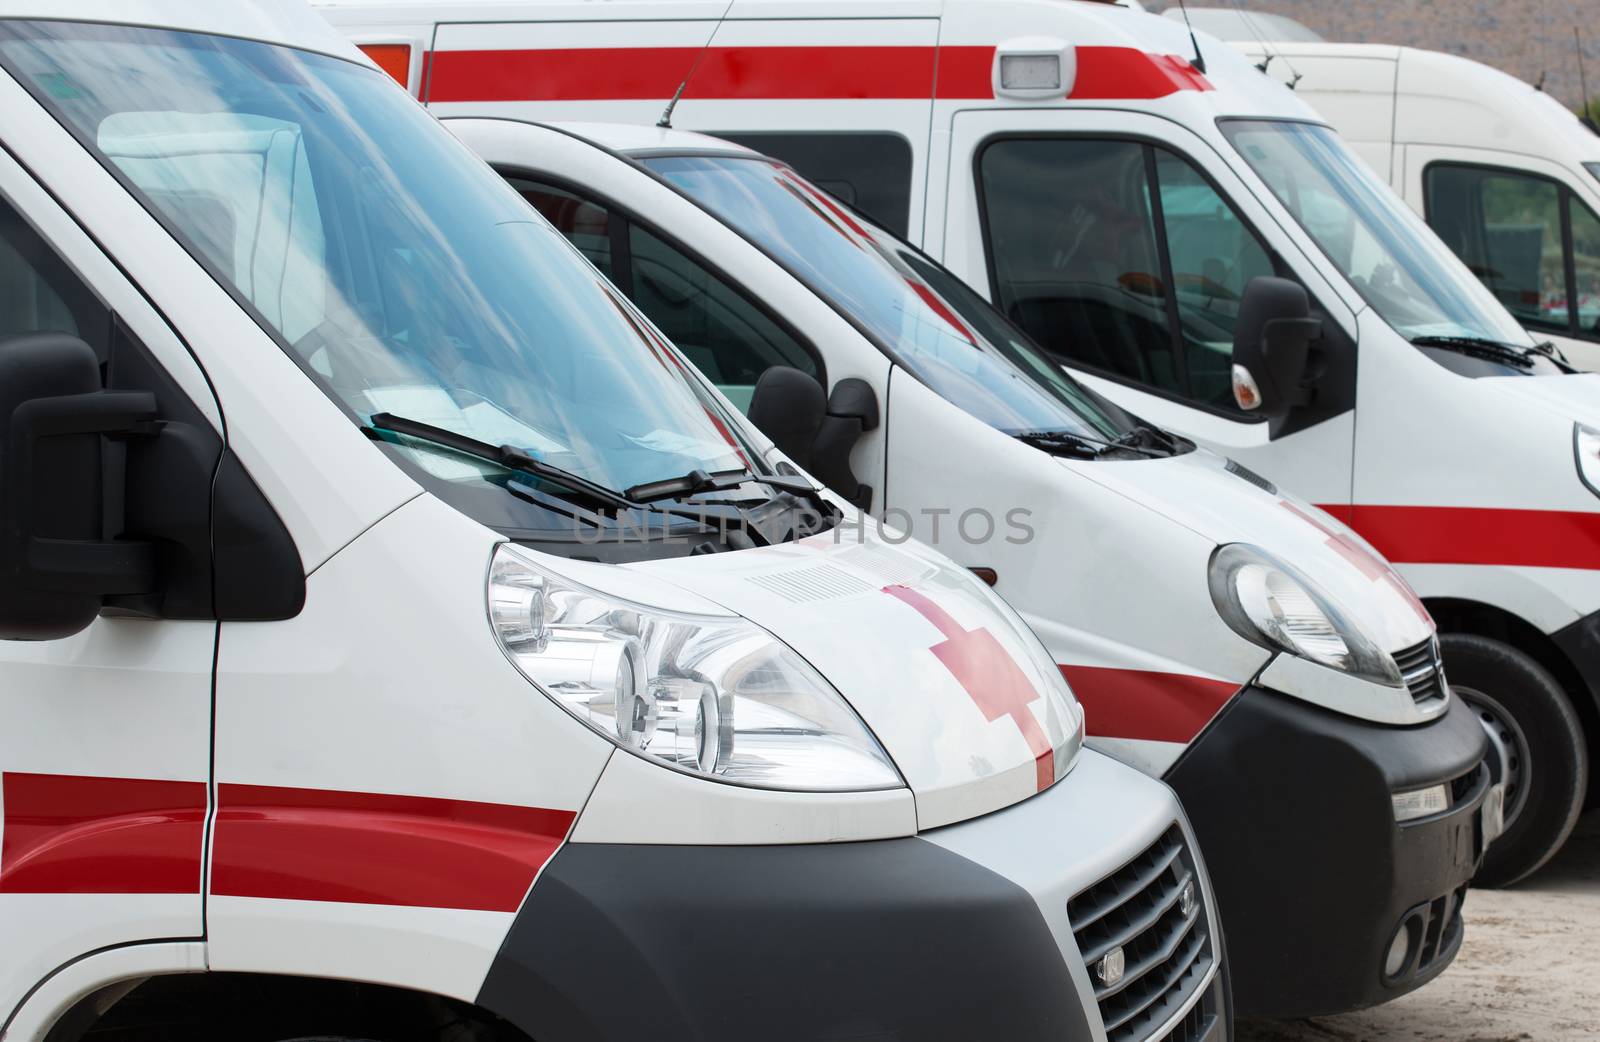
(393, 58)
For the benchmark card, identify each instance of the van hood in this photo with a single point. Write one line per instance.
(1574, 396)
(1227, 503)
(961, 694)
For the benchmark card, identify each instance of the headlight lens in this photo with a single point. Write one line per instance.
(1586, 444)
(710, 695)
(1270, 603)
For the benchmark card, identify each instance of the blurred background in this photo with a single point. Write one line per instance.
(1530, 39)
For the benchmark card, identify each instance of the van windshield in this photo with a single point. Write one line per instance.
(1391, 257)
(945, 333)
(394, 267)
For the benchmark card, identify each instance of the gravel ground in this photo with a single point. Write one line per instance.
(1529, 969)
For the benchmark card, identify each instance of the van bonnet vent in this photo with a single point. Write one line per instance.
(819, 582)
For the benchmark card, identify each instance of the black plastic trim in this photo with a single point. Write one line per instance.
(882, 940)
(1580, 642)
(1292, 806)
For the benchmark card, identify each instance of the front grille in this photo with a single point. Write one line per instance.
(1166, 954)
(1423, 671)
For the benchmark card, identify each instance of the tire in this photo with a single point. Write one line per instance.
(1527, 714)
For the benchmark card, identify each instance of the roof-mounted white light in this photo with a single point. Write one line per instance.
(1032, 68)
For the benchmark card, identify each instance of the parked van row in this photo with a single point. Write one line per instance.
(1119, 205)
(631, 588)
(402, 641)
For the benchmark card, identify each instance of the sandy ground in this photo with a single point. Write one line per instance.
(1529, 969)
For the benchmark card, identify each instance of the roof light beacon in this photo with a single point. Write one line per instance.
(1034, 68)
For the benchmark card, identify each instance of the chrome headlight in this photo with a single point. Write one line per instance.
(1586, 445)
(1268, 602)
(711, 695)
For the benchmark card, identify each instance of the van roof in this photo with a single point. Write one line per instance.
(1494, 109)
(288, 22)
(633, 137)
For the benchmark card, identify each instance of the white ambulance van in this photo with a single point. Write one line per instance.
(1133, 213)
(399, 643)
(1192, 607)
(1506, 175)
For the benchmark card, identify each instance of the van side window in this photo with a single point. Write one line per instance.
(1507, 227)
(871, 172)
(587, 225)
(725, 334)
(1121, 257)
(39, 293)
(1214, 257)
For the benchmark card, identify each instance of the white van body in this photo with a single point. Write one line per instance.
(296, 743)
(1445, 457)
(1505, 174)
(1112, 562)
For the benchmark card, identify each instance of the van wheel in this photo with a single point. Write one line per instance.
(1537, 739)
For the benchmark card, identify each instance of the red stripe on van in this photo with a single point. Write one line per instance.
(779, 73)
(1145, 704)
(1104, 73)
(626, 73)
(352, 847)
(66, 834)
(1478, 535)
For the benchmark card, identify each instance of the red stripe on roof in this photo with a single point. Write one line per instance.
(779, 73)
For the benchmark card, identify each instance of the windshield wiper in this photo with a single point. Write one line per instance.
(1481, 347)
(698, 481)
(1147, 436)
(507, 456)
(1063, 442)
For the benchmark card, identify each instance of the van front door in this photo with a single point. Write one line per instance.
(1123, 245)
(105, 735)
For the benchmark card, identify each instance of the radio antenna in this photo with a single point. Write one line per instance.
(1199, 59)
(665, 122)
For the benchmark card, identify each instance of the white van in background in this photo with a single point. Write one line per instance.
(1133, 213)
(398, 641)
(1506, 175)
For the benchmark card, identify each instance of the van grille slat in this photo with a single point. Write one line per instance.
(1422, 669)
(1139, 909)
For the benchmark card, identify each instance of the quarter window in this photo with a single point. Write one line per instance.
(871, 172)
(1121, 257)
(728, 338)
(1529, 239)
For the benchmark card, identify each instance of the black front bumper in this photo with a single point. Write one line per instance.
(876, 941)
(1292, 808)
(893, 939)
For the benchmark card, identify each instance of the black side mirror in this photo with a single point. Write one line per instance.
(61, 488)
(1272, 348)
(817, 433)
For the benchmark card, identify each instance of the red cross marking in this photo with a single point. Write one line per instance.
(1374, 568)
(992, 678)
